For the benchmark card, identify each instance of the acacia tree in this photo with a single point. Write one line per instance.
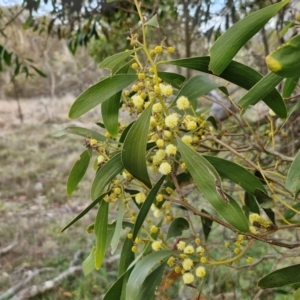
(243, 184)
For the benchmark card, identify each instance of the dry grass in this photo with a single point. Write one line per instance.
(34, 207)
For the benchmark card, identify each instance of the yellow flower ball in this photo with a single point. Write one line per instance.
(93, 142)
(171, 261)
(191, 125)
(153, 229)
(187, 139)
(165, 168)
(171, 149)
(200, 250)
(172, 120)
(183, 103)
(160, 143)
(187, 264)
(200, 272)
(188, 278)
(158, 49)
(180, 245)
(171, 50)
(157, 108)
(100, 159)
(138, 101)
(189, 249)
(159, 197)
(156, 245)
(140, 198)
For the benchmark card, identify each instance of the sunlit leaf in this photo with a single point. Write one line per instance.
(117, 232)
(293, 176)
(84, 212)
(281, 277)
(114, 62)
(99, 93)
(104, 176)
(142, 269)
(101, 233)
(152, 281)
(153, 22)
(262, 89)
(87, 133)
(174, 79)
(236, 73)
(146, 206)
(78, 171)
(229, 43)
(204, 176)
(110, 114)
(177, 226)
(236, 173)
(88, 264)
(289, 86)
(134, 148)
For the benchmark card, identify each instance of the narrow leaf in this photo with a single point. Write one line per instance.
(202, 171)
(116, 237)
(261, 90)
(238, 74)
(78, 171)
(114, 62)
(229, 43)
(281, 277)
(236, 173)
(290, 213)
(134, 148)
(176, 80)
(153, 22)
(177, 226)
(101, 233)
(150, 284)
(88, 264)
(38, 71)
(251, 203)
(206, 225)
(84, 212)
(110, 114)
(264, 200)
(142, 270)
(99, 93)
(289, 86)
(104, 176)
(115, 291)
(127, 256)
(293, 176)
(146, 207)
(81, 132)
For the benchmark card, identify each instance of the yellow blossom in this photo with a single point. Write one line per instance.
(200, 250)
(180, 245)
(153, 229)
(157, 108)
(160, 143)
(200, 272)
(167, 133)
(187, 139)
(140, 198)
(191, 125)
(177, 270)
(117, 190)
(130, 235)
(165, 168)
(156, 245)
(134, 248)
(100, 159)
(157, 213)
(93, 142)
(171, 50)
(203, 259)
(171, 149)
(138, 240)
(187, 264)
(171, 261)
(188, 278)
(197, 241)
(183, 103)
(138, 101)
(189, 249)
(237, 251)
(158, 49)
(159, 198)
(226, 245)
(249, 260)
(172, 120)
